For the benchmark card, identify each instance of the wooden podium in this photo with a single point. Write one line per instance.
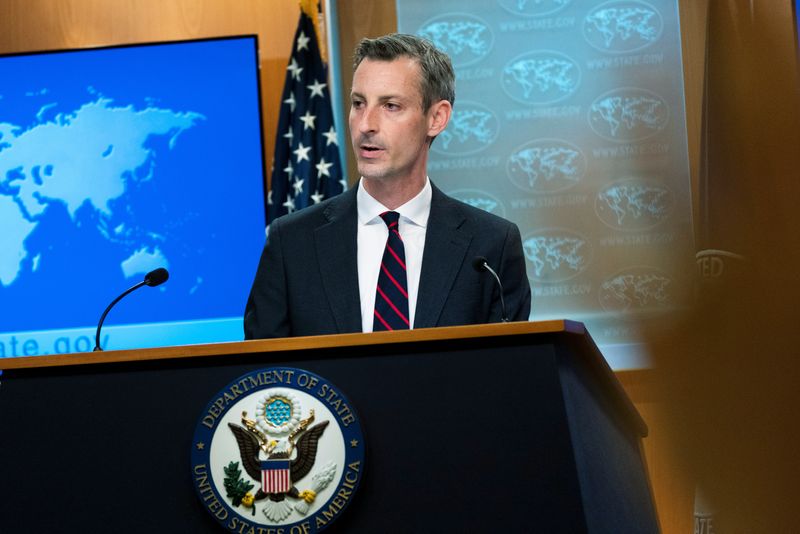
(518, 427)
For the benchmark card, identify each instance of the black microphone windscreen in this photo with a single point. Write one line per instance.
(156, 277)
(479, 263)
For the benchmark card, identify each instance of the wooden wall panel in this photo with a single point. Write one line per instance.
(32, 25)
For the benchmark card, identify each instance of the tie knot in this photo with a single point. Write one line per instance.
(390, 218)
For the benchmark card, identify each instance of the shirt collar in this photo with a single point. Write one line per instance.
(415, 211)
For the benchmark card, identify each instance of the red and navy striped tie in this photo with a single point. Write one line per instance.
(391, 299)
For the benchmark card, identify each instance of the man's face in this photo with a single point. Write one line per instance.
(388, 128)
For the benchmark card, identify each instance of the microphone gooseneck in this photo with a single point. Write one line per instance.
(480, 264)
(153, 278)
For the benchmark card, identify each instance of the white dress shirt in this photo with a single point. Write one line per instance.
(372, 236)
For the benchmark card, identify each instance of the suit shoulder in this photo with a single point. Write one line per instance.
(314, 215)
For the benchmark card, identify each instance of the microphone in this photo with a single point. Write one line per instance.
(153, 278)
(481, 265)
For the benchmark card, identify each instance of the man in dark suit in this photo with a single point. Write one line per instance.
(393, 252)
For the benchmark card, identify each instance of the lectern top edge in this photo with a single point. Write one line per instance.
(296, 343)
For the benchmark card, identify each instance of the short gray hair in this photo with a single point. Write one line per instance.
(437, 79)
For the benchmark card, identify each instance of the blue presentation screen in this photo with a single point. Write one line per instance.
(116, 161)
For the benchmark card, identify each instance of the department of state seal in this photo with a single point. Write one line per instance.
(277, 448)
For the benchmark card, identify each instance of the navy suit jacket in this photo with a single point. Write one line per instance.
(307, 279)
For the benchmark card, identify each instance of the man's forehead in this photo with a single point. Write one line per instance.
(405, 67)
(400, 63)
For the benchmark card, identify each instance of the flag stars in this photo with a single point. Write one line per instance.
(302, 152)
(308, 120)
(306, 133)
(295, 68)
(291, 101)
(330, 135)
(302, 41)
(322, 168)
(316, 89)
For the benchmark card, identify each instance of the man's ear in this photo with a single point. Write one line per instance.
(438, 117)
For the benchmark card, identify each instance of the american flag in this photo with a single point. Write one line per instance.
(276, 476)
(306, 168)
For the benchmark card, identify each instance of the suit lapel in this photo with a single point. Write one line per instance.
(336, 242)
(446, 244)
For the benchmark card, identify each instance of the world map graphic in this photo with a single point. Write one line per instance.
(100, 140)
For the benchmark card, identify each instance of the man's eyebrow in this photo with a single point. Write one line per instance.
(381, 98)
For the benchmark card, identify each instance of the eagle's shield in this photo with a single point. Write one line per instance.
(276, 476)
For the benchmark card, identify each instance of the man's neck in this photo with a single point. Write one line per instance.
(395, 192)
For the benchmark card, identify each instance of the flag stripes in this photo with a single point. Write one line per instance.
(276, 476)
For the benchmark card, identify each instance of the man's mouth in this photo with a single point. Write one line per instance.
(370, 150)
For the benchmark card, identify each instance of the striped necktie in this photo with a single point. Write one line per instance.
(391, 298)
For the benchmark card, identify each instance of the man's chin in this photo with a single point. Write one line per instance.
(373, 172)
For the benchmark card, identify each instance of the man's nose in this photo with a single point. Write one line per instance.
(368, 122)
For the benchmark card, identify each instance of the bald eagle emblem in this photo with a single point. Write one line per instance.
(278, 449)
